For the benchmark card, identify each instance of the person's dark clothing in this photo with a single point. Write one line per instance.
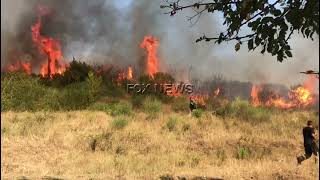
(308, 140)
(308, 135)
(192, 105)
(310, 146)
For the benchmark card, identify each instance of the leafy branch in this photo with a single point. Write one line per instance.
(268, 23)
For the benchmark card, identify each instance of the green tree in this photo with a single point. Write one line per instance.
(94, 85)
(270, 23)
(76, 72)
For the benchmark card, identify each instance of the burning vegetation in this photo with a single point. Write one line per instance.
(54, 68)
(298, 97)
(48, 47)
(151, 45)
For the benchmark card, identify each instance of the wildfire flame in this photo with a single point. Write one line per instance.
(47, 46)
(130, 73)
(255, 95)
(121, 76)
(20, 66)
(151, 44)
(299, 97)
(200, 99)
(216, 92)
(175, 92)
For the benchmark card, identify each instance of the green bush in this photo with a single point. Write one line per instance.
(99, 106)
(51, 100)
(244, 111)
(164, 98)
(76, 72)
(137, 101)
(119, 123)
(180, 104)
(243, 153)
(152, 105)
(21, 92)
(74, 97)
(197, 113)
(94, 86)
(112, 90)
(172, 123)
(121, 108)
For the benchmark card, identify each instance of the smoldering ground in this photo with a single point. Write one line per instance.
(107, 31)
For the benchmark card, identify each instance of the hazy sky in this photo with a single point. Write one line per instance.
(123, 29)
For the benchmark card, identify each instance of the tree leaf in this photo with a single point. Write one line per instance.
(250, 44)
(258, 40)
(237, 47)
(276, 12)
(280, 56)
(288, 53)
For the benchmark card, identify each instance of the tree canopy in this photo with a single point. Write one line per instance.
(270, 24)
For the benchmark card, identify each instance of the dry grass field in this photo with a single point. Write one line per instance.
(94, 145)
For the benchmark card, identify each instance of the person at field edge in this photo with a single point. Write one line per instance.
(192, 104)
(310, 146)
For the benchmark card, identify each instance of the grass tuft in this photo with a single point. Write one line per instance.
(119, 123)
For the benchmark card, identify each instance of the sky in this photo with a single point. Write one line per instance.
(123, 30)
(122, 3)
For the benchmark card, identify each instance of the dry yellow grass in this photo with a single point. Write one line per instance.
(84, 145)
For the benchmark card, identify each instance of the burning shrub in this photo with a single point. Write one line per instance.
(144, 79)
(161, 77)
(20, 92)
(75, 72)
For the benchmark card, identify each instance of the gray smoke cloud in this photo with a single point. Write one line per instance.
(101, 31)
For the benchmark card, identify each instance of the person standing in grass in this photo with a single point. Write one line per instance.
(192, 104)
(310, 146)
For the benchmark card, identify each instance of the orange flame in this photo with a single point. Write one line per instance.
(254, 95)
(299, 97)
(200, 99)
(151, 44)
(49, 47)
(20, 66)
(175, 91)
(121, 76)
(130, 73)
(216, 92)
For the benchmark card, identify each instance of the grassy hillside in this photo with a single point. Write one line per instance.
(89, 128)
(145, 145)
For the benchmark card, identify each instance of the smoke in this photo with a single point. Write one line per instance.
(107, 31)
